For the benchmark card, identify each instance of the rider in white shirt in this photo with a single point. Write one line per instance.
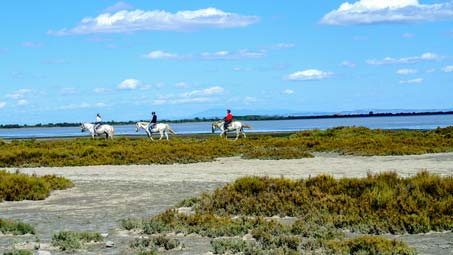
(98, 122)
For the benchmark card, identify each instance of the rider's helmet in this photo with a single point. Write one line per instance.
(228, 110)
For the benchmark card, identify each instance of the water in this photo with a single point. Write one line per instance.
(398, 122)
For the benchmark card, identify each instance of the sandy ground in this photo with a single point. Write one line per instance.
(106, 194)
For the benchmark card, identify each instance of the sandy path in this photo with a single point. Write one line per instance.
(105, 194)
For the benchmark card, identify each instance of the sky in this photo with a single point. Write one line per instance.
(64, 61)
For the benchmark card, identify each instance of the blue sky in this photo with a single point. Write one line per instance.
(63, 62)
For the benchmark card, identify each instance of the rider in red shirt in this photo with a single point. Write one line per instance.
(228, 119)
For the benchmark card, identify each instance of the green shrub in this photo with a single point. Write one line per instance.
(17, 186)
(155, 242)
(15, 227)
(72, 241)
(18, 252)
(371, 245)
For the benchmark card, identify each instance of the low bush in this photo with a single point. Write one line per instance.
(17, 186)
(72, 241)
(154, 243)
(15, 227)
(18, 252)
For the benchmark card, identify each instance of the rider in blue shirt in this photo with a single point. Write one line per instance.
(98, 122)
(153, 122)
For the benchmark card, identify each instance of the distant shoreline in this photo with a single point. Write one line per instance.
(243, 118)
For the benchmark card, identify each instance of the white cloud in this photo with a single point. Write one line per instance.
(82, 105)
(22, 102)
(32, 44)
(2, 105)
(205, 92)
(309, 75)
(406, 71)
(194, 96)
(288, 91)
(407, 60)
(448, 69)
(283, 46)
(431, 70)
(348, 64)
(68, 91)
(100, 90)
(119, 6)
(130, 84)
(227, 55)
(181, 85)
(156, 20)
(158, 54)
(19, 94)
(250, 100)
(413, 81)
(387, 11)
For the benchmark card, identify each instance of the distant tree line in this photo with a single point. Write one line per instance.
(244, 118)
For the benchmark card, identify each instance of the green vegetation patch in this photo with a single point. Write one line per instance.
(15, 227)
(323, 207)
(17, 186)
(382, 203)
(346, 140)
(72, 241)
(155, 243)
(18, 252)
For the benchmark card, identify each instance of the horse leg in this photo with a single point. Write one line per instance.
(161, 134)
(166, 135)
(237, 135)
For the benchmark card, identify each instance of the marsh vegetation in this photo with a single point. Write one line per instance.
(343, 140)
(323, 211)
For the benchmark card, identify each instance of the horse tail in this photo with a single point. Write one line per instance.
(112, 133)
(247, 126)
(171, 130)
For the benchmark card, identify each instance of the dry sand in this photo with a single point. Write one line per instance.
(106, 194)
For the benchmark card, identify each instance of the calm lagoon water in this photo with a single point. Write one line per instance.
(398, 122)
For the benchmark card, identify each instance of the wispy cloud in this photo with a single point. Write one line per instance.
(408, 35)
(194, 96)
(407, 60)
(249, 100)
(406, 71)
(448, 69)
(217, 55)
(158, 54)
(19, 94)
(156, 20)
(2, 105)
(280, 46)
(412, 81)
(22, 102)
(228, 55)
(348, 64)
(82, 105)
(309, 75)
(288, 91)
(68, 91)
(118, 7)
(32, 44)
(100, 90)
(387, 11)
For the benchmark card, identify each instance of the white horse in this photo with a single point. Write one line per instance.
(162, 128)
(234, 126)
(103, 129)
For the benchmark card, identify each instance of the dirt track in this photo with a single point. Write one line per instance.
(105, 194)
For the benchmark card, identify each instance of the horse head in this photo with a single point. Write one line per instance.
(82, 128)
(137, 126)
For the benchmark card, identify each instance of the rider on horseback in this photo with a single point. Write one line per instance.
(153, 122)
(98, 122)
(228, 119)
